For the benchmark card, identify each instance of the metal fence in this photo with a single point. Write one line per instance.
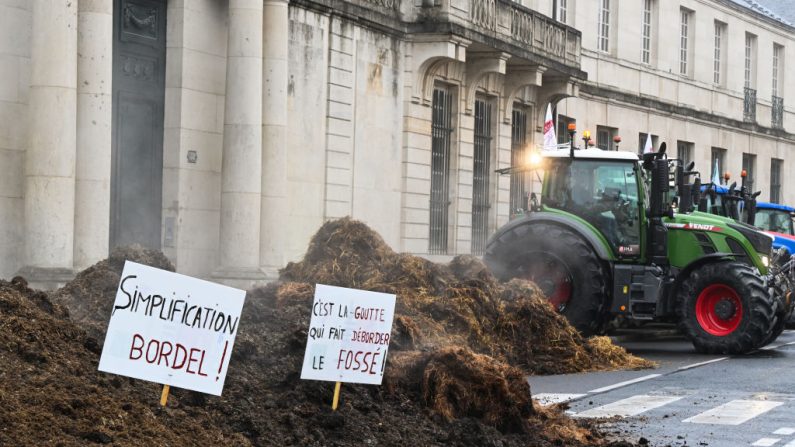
(749, 105)
(778, 112)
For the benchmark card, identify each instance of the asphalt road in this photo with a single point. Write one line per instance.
(690, 399)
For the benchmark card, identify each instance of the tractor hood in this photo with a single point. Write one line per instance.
(756, 244)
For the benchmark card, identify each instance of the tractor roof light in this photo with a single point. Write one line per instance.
(743, 173)
(572, 127)
(727, 176)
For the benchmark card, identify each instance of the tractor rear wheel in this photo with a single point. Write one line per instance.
(561, 263)
(725, 308)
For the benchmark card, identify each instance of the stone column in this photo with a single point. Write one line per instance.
(94, 115)
(274, 137)
(242, 155)
(50, 158)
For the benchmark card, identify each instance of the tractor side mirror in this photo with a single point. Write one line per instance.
(690, 166)
(756, 194)
(662, 149)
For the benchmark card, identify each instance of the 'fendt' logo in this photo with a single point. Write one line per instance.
(694, 227)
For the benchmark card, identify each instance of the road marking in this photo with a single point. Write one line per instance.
(696, 365)
(629, 406)
(767, 348)
(620, 384)
(790, 444)
(734, 413)
(766, 442)
(555, 398)
(786, 431)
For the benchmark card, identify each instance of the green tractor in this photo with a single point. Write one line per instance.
(606, 246)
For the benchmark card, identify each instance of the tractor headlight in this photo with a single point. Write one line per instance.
(766, 261)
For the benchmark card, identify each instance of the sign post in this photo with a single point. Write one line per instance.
(348, 337)
(171, 329)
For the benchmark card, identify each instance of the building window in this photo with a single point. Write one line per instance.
(684, 47)
(604, 138)
(750, 60)
(749, 166)
(518, 143)
(642, 142)
(441, 129)
(563, 128)
(749, 100)
(775, 180)
(563, 11)
(777, 113)
(718, 162)
(645, 51)
(604, 26)
(684, 152)
(481, 179)
(718, 62)
(778, 68)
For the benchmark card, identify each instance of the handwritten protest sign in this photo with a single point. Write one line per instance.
(348, 335)
(171, 329)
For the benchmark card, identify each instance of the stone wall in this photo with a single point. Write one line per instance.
(15, 29)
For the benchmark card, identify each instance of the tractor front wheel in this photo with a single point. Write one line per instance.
(724, 308)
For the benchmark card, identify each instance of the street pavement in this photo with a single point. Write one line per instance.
(690, 399)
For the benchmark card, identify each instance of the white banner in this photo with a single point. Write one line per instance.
(348, 335)
(172, 329)
(550, 140)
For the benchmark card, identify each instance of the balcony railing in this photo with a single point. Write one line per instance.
(777, 120)
(504, 20)
(510, 22)
(749, 105)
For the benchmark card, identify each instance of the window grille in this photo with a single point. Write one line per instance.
(518, 141)
(749, 105)
(481, 180)
(749, 165)
(775, 180)
(441, 129)
(778, 112)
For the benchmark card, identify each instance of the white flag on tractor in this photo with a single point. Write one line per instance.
(648, 148)
(716, 173)
(550, 140)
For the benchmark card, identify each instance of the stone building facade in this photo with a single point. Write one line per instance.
(225, 132)
(713, 79)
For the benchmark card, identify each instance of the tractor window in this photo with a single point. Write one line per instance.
(774, 220)
(604, 193)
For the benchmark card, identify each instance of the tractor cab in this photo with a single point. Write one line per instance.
(602, 188)
(775, 218)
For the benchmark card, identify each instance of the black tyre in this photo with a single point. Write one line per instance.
(779, 316)
(563, 265)
(725, 308)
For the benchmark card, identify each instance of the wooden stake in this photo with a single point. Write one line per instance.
(164, 395)
(336, 396)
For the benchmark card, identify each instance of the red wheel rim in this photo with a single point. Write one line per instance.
(719, 310)
(553, 277)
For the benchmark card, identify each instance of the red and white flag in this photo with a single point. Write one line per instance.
(550, 140)
(648, 147)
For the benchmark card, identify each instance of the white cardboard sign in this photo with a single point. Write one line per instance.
(348, 335)
(171, 329)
